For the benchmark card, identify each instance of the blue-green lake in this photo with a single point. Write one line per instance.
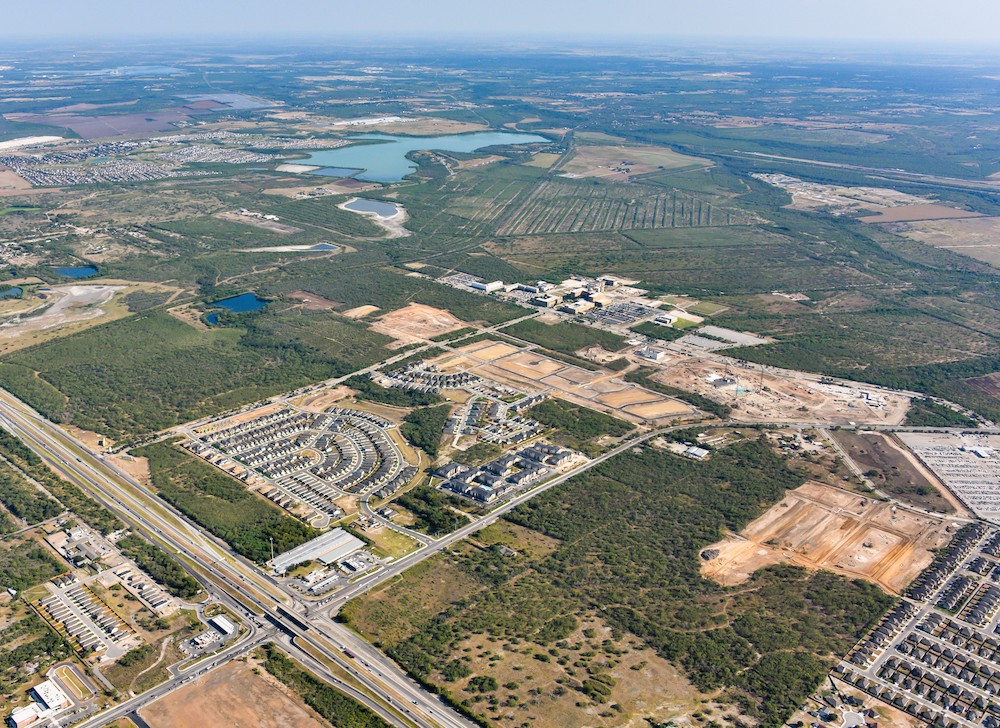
(385, 160)
(382, 209)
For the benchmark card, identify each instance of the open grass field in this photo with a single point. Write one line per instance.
(543, 160)
(80, 689)
(565, 338)
(976, 238)
(400, 608)
(221, 504)
(626, 535)
(390, 544)
(622, 161)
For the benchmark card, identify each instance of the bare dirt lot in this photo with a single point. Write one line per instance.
(530, 371)
(63, 308)
(895, 471)
(232, 697)
(311, 301)
(322, 400)
(10, 182)
(138, 468)
(917, 212)
(785, 397)
(360, 311)
(977, 238)
(189, 315)
(415, 323)
(238, 419)
(821, 527)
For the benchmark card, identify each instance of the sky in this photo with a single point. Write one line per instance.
(954, 23)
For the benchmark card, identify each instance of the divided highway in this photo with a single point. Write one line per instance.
(240, 586)
(271, 610)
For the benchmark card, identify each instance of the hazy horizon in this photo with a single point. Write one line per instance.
(966, 23)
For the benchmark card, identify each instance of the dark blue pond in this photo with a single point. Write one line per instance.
(11, 293)
(81, 271)
(244, 303)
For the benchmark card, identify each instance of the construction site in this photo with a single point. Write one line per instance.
(819, 526)
(413, 323)
(531, 371)
(760, 394)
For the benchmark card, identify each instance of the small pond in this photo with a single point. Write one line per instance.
(382, 209)
(80, 271)
(244, 303)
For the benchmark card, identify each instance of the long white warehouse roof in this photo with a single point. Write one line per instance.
(328, 548)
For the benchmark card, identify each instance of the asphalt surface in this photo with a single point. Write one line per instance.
(237, 584)
(256, 596)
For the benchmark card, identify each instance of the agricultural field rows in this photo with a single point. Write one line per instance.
(568, 207)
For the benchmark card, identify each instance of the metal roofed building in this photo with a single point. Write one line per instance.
(327, 549)
(222, 624)
(21, 717)
(49, 695)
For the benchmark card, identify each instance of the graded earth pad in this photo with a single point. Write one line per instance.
(531, 371)
(415, 323)
(324, 399)
(232, 697)
(821, 527)
(789, 397)
(360, 311)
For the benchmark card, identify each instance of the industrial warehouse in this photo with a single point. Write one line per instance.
(330, 548)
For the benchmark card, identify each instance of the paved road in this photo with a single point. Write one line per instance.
(924, 608)
(238, 585)
(251, 594)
